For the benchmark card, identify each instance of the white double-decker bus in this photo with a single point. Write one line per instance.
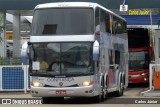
(77, 49)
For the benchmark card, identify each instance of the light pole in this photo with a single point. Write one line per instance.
(2, 34)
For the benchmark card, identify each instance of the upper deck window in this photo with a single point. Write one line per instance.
(63, 21)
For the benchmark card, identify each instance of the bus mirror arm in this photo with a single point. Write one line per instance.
(97, 64)
(116, 66)
(27, 51)
(29, 43)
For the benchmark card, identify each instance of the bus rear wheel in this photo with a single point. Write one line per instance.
(121, 89)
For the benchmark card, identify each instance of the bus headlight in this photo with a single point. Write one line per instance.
(143, 74)
(87, 83)
(36, 84)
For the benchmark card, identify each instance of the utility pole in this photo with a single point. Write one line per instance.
(2, 34)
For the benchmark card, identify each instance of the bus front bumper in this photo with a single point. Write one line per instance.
(139, 79)
(63, 92)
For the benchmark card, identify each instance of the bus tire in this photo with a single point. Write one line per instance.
(106, 88)
(103, 91)
(120, 89)
(101, 96)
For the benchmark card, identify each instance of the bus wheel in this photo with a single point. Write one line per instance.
(120, 89)
(103, 93)
(106, 88)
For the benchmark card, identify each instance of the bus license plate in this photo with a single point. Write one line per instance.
(60, 91)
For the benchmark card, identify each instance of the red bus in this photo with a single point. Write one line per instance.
(140, 55)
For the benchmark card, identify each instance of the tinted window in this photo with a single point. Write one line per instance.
(64, 21)
(138, 60)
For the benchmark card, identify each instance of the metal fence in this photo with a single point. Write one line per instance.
(14, 78)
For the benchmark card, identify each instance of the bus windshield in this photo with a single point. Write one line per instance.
(62, 59)
(63, 21)
(138, 60)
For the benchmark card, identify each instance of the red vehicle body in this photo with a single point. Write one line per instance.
(140, 54)
(139, 59)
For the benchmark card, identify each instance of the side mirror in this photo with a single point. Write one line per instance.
(27, 51)
(97, 29)
(95, 51)
(24, 56)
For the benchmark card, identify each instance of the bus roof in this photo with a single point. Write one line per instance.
(74, 4)
(66, 4)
